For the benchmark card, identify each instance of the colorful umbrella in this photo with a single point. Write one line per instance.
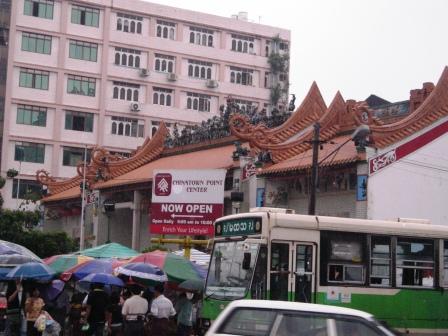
(61, 263)
(31, 271)
(103, 278)
(50, 291)
(112, 250)
(92, 266)
(142, 273)
(177, 268)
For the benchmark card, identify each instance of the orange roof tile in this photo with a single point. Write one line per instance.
(346, 154)
(71, 193)
(220, 157)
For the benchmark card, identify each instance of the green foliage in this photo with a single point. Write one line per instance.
(2, 182)
(278, 63)
(154, 247)
(276, 93)
(19, 227)
(11, 173)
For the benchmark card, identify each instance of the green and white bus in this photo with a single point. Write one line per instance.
(395, 270)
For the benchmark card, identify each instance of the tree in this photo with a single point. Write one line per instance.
(20, 227)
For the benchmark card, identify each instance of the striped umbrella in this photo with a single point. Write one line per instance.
(92, 266)
(31, 271)
(142, 273)
(177, 268)
(61, 263)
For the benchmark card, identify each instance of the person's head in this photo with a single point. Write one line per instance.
(34, 292)
(189, 295)
(135, 290)
(158, 289)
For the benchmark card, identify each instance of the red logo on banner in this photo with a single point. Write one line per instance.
(163, 184)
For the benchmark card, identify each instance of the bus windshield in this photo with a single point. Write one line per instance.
(231, 268)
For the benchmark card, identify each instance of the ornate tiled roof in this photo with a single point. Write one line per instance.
(103, 166)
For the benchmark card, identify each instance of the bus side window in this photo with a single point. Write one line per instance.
(380, 261)
(258, 288)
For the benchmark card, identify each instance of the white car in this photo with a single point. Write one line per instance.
(280, 318)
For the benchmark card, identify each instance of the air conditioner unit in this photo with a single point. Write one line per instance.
(135, 107)
(172, 77)
(211, 83)
(144, 73)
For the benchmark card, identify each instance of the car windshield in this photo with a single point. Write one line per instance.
(231, 267)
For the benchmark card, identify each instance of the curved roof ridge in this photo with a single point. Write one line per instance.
(108, 165)
(433, 108)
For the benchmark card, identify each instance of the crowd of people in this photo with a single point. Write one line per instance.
(132, 310)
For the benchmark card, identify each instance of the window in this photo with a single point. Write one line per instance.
(243, 44)
(29, 152)
(241, 76)
(128, 127)
(125, 91)
(39, 8)
(72, 156)
(127, 57)
(164, 63)
(380, 261)
(35, 79)
(79, 121)
(83, 50)
(415, 263)
(249, 322)
(79, 85)
(162, 96)
(36, 43)
(27, 188)
(129, 23)
(343, 255)
(201, 36)
(198, 102)
(200, 69)
(245, 105)
(166, 29)
(85, 16)
(31, 115)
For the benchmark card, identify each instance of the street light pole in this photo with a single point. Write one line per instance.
(83, 193)
(314, 170)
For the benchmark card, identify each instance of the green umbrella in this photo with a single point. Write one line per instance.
(112, 250)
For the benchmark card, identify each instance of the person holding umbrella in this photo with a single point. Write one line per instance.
(184, 309)
(134, 311)
(33, 309)
(97, 303)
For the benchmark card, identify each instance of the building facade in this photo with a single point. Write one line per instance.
(107, 73)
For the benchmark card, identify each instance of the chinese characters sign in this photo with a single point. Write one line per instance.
(186, 202)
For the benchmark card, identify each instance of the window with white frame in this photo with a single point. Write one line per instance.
(36, 43)
(164, 63)
(84, 86)
(245, 105)
(125, 91)
(128, 127)
(127, 57)
(85, 16)
(27, 188)
(83, 50)
(129, 23)
(201, 36)
(198, 102)
(162, 96)
(166, 29)
(241, 76)
(199, 69)
(154, 127)
(31, 115)
(39, 8)
(244, 44)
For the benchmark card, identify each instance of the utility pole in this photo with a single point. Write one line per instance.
(314, 170)
(83, 195)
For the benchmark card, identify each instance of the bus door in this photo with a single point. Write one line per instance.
(292, 273)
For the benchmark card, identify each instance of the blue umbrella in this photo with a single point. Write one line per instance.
(103, 278)
(142, 271)
(31, 271)
(93, 266)
(50, 291)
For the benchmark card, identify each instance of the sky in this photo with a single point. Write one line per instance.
(359, 47)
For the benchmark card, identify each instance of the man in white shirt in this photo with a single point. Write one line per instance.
(134, 311)
(161, 309)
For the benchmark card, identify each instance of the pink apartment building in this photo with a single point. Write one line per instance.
(106, 72)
